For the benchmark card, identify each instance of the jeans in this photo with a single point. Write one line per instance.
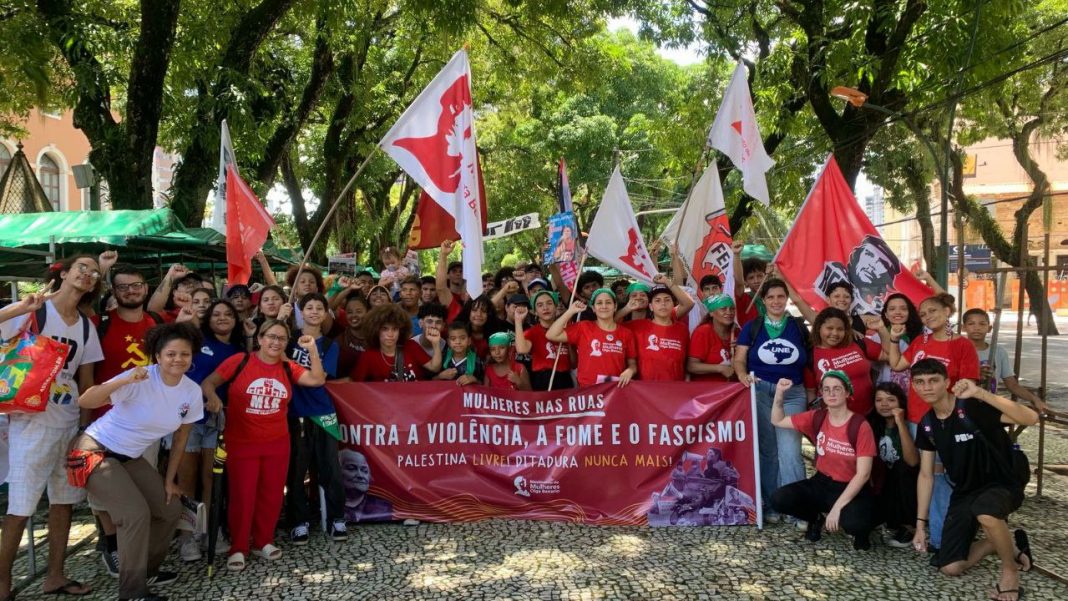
(781, 462)
(940, 495)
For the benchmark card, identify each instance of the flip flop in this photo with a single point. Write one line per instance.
(1023, 543)
(1019, 590)
(65, 589)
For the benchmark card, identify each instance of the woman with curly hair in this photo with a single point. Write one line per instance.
(480, 314)
(391, 354)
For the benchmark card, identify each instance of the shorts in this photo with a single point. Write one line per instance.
(37, 456)
(962, 522)
(201, 436)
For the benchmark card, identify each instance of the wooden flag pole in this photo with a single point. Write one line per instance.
(560, 345)
(329, 214)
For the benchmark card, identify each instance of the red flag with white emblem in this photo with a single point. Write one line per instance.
(434, 142)
(614, 236)
(247, 226)
(735, 134)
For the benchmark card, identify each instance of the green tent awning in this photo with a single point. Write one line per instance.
(113, 228)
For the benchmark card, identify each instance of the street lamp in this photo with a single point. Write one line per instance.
(860, 100)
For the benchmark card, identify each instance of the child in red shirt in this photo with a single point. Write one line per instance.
(502, 371)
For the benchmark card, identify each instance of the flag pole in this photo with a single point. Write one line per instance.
(560, 345)
(329, 214)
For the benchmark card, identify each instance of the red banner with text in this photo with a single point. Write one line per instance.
(656, 453)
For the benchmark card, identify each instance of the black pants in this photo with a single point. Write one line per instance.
(896, 502)
(539, 380)
(806, 499)
(311, 446)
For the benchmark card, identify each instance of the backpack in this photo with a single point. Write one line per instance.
(1018, 467)
(105, 322)
(244, 361)
(41, 316)
(878, 470)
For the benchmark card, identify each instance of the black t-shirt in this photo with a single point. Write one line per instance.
(970, 463)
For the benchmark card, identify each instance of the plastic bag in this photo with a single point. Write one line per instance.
(29, 364)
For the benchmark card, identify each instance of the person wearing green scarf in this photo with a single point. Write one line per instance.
(770, 348)
(460, 362)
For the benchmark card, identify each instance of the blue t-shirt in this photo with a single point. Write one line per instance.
(313, 400)
(211, 354)
(775, 358)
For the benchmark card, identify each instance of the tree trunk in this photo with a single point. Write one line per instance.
(921, 194)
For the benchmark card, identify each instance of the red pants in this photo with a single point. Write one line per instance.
(257, 475)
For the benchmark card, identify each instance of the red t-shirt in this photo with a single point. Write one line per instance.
(375, 366)
(707, 347)
(745, 310)
(543, 351)
(603, 354)
(454, 309)
(124, 348)
(957, 354)
(258, 399)
(835, 457)
(855, 361)
(661, 349)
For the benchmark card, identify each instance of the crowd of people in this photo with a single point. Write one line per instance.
(903, 412)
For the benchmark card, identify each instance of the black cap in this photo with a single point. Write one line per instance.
(661, 290)
(238, 289)
(518, 299)
(455, 265)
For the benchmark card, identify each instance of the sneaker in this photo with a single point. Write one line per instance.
(162, 578)
(222, 544)
(801, 525)
(901, 539)
(772, 517)
(814, 530)
(862, 543)
(190, 549)
(299, 535)
(411, 522)
(111, 562)
(338, 531)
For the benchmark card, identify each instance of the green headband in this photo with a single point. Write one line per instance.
(500, 339)
(541, 293)
(839, 375)
(638, 287)
(600, 291)
(719, 301)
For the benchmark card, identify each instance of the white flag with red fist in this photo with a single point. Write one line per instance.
(434, 142)
(735, 134)
(614, 236)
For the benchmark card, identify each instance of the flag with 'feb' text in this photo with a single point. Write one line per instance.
(614, 236)
(434, 142)
(703, 232)
(247, 226)
(833, 240)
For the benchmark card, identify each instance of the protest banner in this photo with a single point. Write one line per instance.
(515, 225)
(661, 454)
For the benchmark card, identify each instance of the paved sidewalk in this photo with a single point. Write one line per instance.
(533, 560)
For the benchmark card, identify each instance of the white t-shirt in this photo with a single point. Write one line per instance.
(1002, 366)
(62, 411)
(146, 411)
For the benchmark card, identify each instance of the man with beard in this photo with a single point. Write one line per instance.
(122, 338)
(356, 479)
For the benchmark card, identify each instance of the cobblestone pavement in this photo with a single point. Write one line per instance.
(534, 560)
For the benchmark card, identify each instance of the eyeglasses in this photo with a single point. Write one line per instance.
(136, 287)
(276, 338)
(84, 269)
(833, 390)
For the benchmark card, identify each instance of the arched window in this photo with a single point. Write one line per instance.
(49, 173)
(5, 159)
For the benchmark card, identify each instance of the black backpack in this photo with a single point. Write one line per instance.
(41, 316)
(1018, 467)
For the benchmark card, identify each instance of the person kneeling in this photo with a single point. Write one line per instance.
(148, 403)
(845, 447)
(966, 429)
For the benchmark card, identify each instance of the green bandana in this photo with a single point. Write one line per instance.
(329, 423)
(500, 339)
(600, 291)
(638, 287)
(469, 366)
(839, 375)
(719, 301)
(541, 293)
(772, 327)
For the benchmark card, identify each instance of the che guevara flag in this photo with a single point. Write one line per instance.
(247, 225)
(703, 232)
(833, 240)
(434, 142)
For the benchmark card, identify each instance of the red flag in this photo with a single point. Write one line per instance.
(433, 224)
(247, 225)
(833, 240)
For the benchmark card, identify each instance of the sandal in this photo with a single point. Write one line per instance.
(1023, 546)
(1018, 591)
(268, 552)
(236, 562)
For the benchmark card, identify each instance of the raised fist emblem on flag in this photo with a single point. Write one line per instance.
(441, 154)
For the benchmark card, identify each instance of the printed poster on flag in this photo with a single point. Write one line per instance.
(833, 240)
(563, 239)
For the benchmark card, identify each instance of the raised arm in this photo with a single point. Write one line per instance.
(779, 419)
(909, 452)
(316, 376)
(739, 277)
(158, 302)
(433, 336)
(265, 267)
(889, 340)
(1011, 412)
(522, 345)
(558, 331)
(441, 273)
(100, 395)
